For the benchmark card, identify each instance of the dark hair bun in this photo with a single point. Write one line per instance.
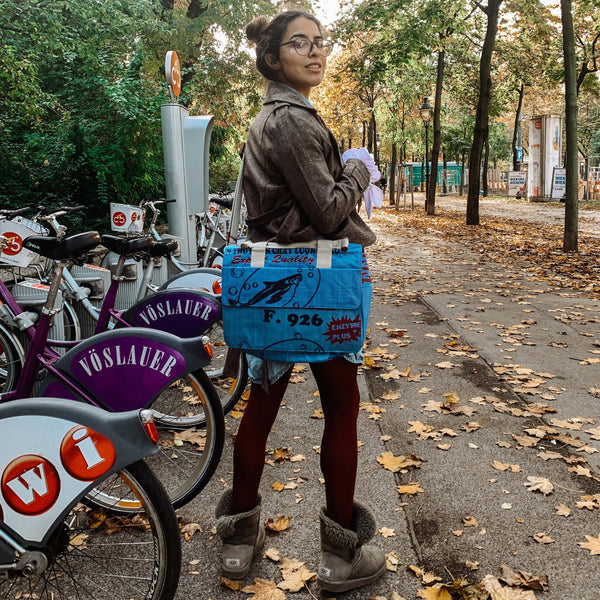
(256, 28)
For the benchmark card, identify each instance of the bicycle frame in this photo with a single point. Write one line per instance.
(53, 453)
(182, 312)
(149, 359)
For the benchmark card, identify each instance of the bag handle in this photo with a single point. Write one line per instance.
(236, 207)
(258, 250)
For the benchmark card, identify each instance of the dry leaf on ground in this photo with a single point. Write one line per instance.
(592, 544)
(263, 589)
(539, 484)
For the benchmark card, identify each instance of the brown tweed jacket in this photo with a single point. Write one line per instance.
(295, 184)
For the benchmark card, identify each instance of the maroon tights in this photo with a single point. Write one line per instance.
(338, 389)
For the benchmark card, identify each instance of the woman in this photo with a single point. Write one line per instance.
(297, 189)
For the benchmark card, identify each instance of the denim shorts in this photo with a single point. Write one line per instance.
(276, 368)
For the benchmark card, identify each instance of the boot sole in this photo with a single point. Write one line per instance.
(350, 584)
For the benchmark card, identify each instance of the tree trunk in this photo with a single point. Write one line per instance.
(481, 119)
(437, 135)
(517, 127)
(486, 162)
(392, 186)
(571, 160)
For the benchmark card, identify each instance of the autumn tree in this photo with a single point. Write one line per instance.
(571, 208)
(491, 10)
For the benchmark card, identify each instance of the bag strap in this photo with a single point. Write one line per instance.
(258, 250)
(236, 207)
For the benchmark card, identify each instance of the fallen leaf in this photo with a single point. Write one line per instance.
(279, 524)
(543, 538)
(263, 589)
(189, 529)
(396, 463)
(410, 489)
(499, 592)
(295, 574)
(386, 532)
(539, 484)
(436, 592)
(232, 584)
(272, 554)
(592, 544)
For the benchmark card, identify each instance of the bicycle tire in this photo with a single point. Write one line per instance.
(231, 385)
(191, 442)
(97, 554)
(11, 361)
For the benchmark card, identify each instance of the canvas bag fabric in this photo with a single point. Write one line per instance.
(297, 302)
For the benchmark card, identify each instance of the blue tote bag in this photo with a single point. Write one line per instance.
(304, 302)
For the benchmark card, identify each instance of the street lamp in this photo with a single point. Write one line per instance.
(425, 110)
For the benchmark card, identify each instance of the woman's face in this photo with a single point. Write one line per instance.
(301, 72)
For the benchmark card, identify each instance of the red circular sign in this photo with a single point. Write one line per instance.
(15, 243)
(173, 72)
(30, 484)
(86, 454)
(538, 124)
(119, 219)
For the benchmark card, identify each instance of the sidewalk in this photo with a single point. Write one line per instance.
(486, 378)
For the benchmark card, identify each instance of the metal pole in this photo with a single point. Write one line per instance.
(426, 162)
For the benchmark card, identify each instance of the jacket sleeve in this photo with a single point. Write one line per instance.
(297, 145)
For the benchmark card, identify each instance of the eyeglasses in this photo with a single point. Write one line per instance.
(304, 46)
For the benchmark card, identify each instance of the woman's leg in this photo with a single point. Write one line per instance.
(251, 441)
(340, 398)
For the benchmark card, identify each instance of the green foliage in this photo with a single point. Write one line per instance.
(500, 143)
(595, 144)
(81, 84)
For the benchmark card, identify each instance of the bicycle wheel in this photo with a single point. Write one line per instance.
(191, 428)
(10, 361)
(228, 369)
(97, 554)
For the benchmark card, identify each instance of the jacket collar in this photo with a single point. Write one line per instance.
(279, 92)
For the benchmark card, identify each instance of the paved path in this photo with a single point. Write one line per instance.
(489, 376)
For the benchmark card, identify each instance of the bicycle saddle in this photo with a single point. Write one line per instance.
(162, 248)
(68, 248)
(127, 246)
(224, 202)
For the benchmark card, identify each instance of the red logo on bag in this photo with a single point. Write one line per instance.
(30, 484)
(344, 330)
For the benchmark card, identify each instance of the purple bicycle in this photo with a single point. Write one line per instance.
(119, 370)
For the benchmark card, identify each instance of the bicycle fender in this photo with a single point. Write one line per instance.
(124, 369)
(182, 312)
(204, 279)
(53, 453)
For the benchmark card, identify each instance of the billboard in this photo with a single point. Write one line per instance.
(545, 151)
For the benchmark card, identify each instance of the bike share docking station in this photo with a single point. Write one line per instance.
(186, 143)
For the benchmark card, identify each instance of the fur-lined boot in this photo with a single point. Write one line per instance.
(243, 536)
(345, 562)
